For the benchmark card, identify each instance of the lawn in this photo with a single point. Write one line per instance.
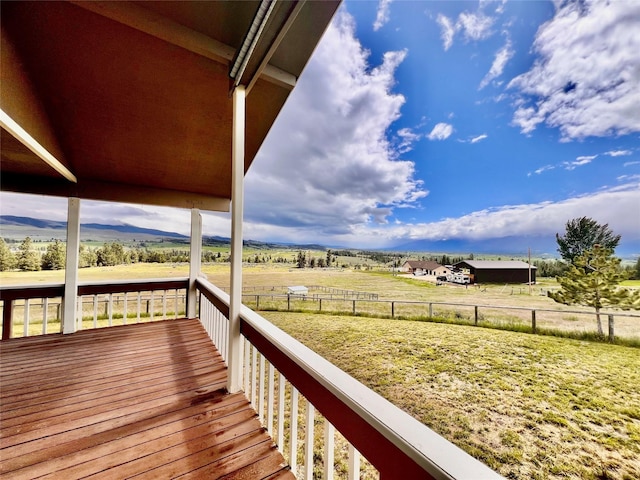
(527, 406)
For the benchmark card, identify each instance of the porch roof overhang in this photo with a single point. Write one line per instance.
(130, 101)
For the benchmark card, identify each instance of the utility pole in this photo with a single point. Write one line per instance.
(529, 270)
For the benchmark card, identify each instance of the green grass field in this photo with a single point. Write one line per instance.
(527, 406)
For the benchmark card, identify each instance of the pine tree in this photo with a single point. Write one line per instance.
(28, 259)
(583, 234)
(593, 281)
(55, 256)
(7, 258)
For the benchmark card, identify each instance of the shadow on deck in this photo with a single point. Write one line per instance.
(144, 400)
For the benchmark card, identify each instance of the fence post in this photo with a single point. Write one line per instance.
(475, 314)
(288, 301)
(533, 321)
(354, 307)
(393, 305)
(319, 304)
(430, 310)
(257, 302)
(611, 328)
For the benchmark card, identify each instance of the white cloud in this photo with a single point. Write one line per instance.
(587, 76)
(579, 161)
(499, 62)
(448, 31)
(479, 138)
(474, 26)
(327, 164)
(608, 205)
(543, 169)
(407, 138)
(628, 164)
(382, 16)
(618, 153)
(441, 131)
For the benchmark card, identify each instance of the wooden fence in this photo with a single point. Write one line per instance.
(534, 320)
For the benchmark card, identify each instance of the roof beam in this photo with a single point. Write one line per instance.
(22, 113)
(275, 44)
(112, 192)
(161, 27)
(32, 144)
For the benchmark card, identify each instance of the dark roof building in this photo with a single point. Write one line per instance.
(497, 271)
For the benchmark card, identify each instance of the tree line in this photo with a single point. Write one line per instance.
(28, 258)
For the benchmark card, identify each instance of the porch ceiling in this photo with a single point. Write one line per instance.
(130, 101)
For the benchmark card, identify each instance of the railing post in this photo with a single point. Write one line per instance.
(475, 314)
(393, 308)
(70, 299)
(195, 253)
(234, 381)
(7, 306)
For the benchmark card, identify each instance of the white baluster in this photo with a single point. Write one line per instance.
(270, 404)
(354, 464)
(329, 455)
(293, 433)
(308, 442)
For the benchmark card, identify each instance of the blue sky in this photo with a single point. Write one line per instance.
(442, 120)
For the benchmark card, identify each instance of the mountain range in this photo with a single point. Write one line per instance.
(17, 228)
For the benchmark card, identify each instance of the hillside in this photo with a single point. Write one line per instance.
(17, 228)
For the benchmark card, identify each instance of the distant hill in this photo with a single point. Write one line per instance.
(541, 246)
(17, 228)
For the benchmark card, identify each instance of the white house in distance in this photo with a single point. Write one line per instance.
(424, 267)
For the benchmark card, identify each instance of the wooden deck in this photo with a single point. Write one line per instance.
(143, 401)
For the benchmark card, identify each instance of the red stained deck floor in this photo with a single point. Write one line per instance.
(143, 401)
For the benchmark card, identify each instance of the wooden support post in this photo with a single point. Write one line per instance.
(195, 254)
(475, 315)
(393, 308)
(611, 333)
(234, 382)
(70, 300)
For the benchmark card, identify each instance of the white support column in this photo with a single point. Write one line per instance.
(234, 383)
(70, 300)
(195, 256)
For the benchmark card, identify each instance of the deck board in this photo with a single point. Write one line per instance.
(143, 400)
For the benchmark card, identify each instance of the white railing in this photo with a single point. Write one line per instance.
(37, 310)
(321, 418)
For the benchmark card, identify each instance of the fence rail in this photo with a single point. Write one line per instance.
(320, 417)
(37, 310)
(534, 318)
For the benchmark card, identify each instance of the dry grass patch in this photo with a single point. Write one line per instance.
(528, 406)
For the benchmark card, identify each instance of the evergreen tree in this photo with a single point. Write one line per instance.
(111, 253)
(55, 256)
(583, 234)
(88, 257)
(7, 258)
(636, 274)
(593, 281)
(301, 261)
(28, 259)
